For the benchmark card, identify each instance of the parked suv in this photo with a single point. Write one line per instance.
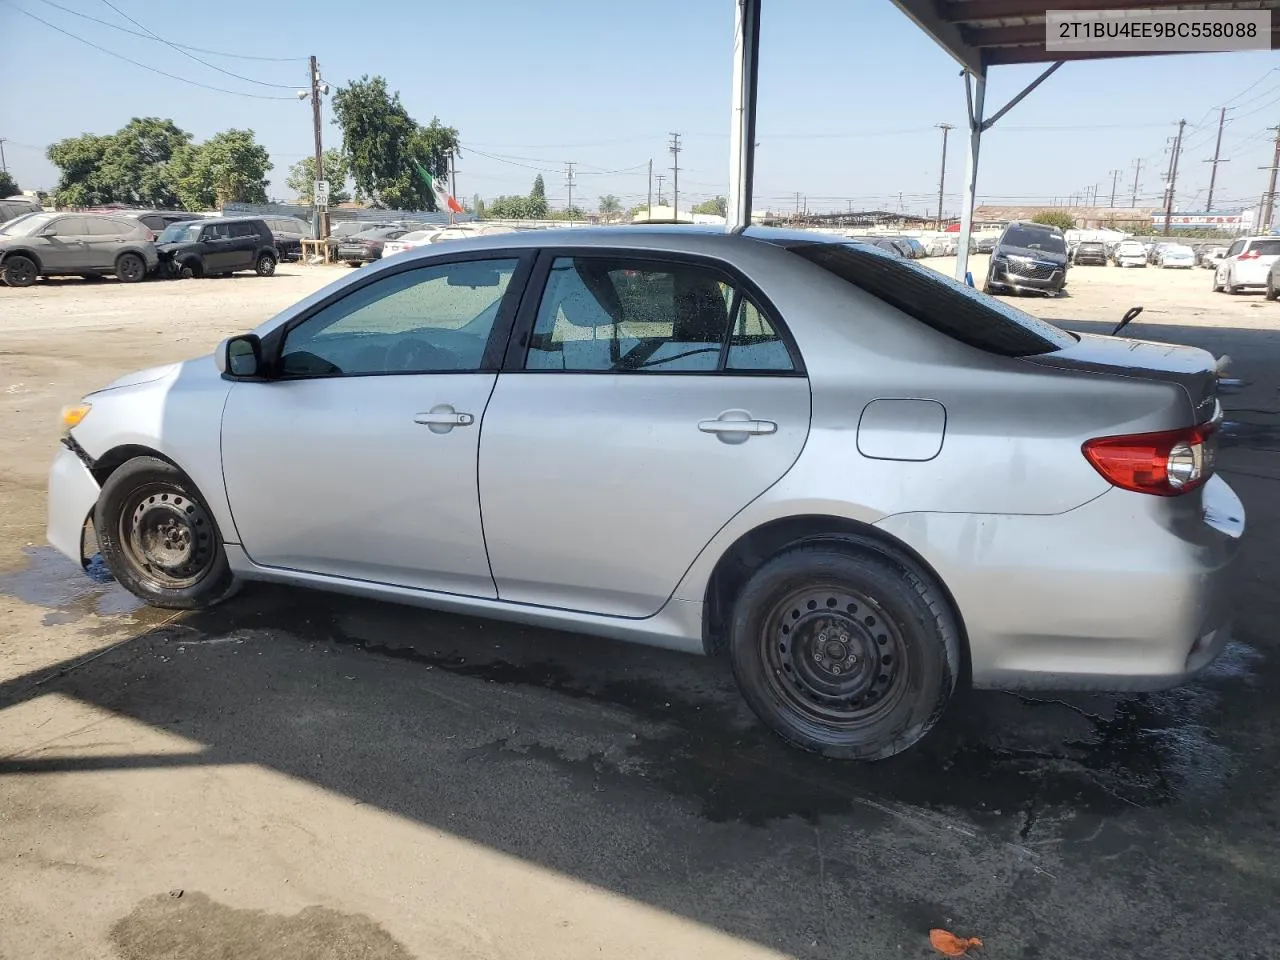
(1247, 264)
(288, 233)
(218, 246)
(1028, 257)
(1089, 251)
(16, 207)
(75, 244)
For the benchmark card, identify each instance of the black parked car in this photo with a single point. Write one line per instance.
(361, 248)
(1028, 257)
(1090, 252)
(217, 247)
(289, 232)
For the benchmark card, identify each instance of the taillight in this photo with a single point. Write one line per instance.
(1249, 255)
(1166, 464)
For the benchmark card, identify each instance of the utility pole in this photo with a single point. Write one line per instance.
(1173, 178)
(942, 177)
(650, 201)
(1217, 150)
(1115, 177)
(453, 180)
(569, 180)
(797, 204)
(675, 149)
(659, 177)
(1269, 198)
(3, 166)
(1137, 168)
(323, 217)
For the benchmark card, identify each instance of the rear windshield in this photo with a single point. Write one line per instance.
(950, 307)
(1265, 248)
(1033, 240)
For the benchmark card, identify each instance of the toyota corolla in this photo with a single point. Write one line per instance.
(859, 482)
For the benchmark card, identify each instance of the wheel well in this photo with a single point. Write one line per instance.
(750, 551)
(116, 457)
(131, 253)
(29, 254)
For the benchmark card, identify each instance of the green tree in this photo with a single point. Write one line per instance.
(539, 191)
(717, 206)
(229, 167)
(128, 166)
(384, 145)
(1055, 218)
(517, 208)
(8, 185)
(610, 206)
(302, 177)
(572, 213)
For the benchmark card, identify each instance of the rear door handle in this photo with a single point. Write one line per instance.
(736, 426)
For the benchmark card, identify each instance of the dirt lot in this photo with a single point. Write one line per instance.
(294, 775)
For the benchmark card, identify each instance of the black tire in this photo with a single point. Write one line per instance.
(159, 540)
(1231, 289)
(19, 271)
(130, 268)
(265, 265)
(844, 650)
(1272, 292)
(188, 271)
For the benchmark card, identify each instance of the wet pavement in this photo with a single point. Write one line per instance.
(1054, 825)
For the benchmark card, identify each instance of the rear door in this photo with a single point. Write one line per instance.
(105, 241)
(246, 240)
(644, 401)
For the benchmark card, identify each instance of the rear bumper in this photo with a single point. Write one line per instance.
(1127, 592)
(73, 493)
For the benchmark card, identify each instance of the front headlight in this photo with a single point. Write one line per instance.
(73, 415)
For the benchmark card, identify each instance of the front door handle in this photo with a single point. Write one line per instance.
(442, 418)
(737, 426)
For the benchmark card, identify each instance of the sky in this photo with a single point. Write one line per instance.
(851, 93)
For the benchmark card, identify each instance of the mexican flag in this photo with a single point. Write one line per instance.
(444, 199)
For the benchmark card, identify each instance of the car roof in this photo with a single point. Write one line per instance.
(209, 220)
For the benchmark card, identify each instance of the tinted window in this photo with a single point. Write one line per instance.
(946, 305)
(1265, 248)
(106, 227)
(433, 319)
(1235, 248)
(618, 316)
(1032, 239)
(244, 229)
(71, 227)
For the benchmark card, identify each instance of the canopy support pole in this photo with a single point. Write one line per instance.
(742, 133)
(975, 95)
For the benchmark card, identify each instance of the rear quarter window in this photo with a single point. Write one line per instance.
(950, 307)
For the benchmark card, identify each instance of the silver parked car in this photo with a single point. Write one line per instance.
(76, 244)
(859, 480)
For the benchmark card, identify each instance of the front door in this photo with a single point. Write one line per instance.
(359, 459)
(64, 246)
(640, 421)
(218, 247)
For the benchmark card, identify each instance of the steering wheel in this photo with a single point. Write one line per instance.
(414, 353)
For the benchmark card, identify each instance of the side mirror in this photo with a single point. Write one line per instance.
(240, 357)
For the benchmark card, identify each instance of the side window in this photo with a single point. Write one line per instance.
(434, 319)
(216, 231)
(106, 227)
(754, 344)
(615, 316)
(1235, 248)
(245, 228)
(70, 227)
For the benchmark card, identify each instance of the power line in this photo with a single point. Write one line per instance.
(144, 66)
(192, 56)
(184, 46)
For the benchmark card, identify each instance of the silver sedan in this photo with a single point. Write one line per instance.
(858, 481)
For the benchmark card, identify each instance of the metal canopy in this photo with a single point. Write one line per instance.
(988, 33)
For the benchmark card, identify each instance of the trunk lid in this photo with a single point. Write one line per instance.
(1196, 371)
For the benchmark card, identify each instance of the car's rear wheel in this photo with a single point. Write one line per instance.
(266, 265)
(1231, 288)
(844, 650)
(1272, 292)
(130, 268)
(19, 271)
(159, 539)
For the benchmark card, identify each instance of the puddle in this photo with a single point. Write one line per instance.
(51, 580)
(192, 926)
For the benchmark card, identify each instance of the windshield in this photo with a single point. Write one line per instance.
(946, 305)
(180, 232)
(25, 225)
(1030, 239)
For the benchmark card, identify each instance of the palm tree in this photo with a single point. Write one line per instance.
(610, 207)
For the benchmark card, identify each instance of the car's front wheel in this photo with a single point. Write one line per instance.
(19, 271)
(1272, 292)
(266, 265)
(159, 539)
(844, 650)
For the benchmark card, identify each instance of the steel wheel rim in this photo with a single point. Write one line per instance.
(167, 537)
(834, 656)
